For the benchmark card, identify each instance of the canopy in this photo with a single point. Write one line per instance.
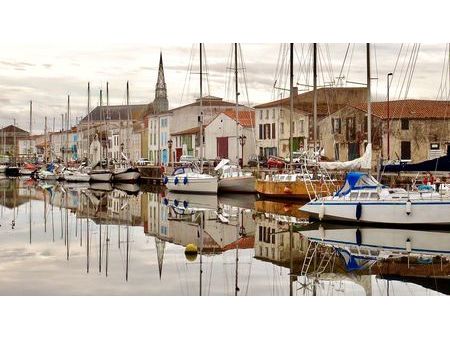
(357, 180)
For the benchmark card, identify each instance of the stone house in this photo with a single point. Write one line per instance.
(418, 130)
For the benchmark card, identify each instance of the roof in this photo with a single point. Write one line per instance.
(137, 111)
(246, 117)
(329, 100)
(412, 109)
(213, 101)
(241, 243)
(189, 131)
(11, 129)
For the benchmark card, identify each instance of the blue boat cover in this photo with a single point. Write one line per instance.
(357, 180)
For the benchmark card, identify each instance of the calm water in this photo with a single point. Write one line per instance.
(81, 239)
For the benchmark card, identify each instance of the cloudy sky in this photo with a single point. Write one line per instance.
(49, 51)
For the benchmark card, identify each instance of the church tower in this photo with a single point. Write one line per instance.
(160, 103)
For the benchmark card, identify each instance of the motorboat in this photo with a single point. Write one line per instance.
(50, 172)
(126, 174)
(188, 179)
(233, 179)
(28, 169)
(99, 174)
(76, 176)
(362, 199)
(12, 171)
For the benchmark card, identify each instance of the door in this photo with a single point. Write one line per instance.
(165, 157)
(222, 147)
(448, 149)
(353, 151)
(405, 150)
(178, 153)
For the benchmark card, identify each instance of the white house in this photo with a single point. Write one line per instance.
(221, 140)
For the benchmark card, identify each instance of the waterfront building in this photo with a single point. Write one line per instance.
(220, 136)
(7, 147)
(418, 130)
(64, 145)
(272, 118)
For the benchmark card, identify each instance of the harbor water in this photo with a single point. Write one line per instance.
(100, 239)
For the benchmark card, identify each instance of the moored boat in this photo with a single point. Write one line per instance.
(233, 179)
(185, 179)
(126, 174)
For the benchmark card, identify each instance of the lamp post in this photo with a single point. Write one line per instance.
(388, 117)
(170, 142)
(242, 140)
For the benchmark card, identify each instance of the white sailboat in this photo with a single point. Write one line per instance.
(191, 179)
(126, 172)
(232, 178)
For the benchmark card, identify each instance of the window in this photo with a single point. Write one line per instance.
(351, 132)
(434, 146)
(366, 124)
(293, 127)
(354, 195)
(363, 195)
(405, 124)
(267, 114)
(260, 114)
(336, 125)
(282, 128)
(261, 132)
(273, 130)
(302, 126)
(336, 151)
(374, 196)
(406, 150)
(273, 113)
(267, 131)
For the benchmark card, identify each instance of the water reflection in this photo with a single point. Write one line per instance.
(126, 239)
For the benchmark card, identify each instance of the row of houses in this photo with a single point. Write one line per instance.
(413, 130)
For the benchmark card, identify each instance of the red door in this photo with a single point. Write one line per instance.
(222, 147)
(178, 153)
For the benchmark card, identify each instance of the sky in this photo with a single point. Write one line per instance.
(46, 73)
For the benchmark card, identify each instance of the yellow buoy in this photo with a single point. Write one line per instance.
(191, 252)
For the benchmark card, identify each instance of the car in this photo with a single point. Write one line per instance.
(253, 161)
(143, 161)
(188, 159)
(275, 162)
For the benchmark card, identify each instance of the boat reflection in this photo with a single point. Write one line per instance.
(217, 244)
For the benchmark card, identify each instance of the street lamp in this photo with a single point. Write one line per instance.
(242, 140)
(388, 116)
(170, 142)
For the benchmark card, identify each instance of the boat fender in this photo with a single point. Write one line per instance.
(166, 201)
(408, 207)
(175, 181)
(185, 180)
(321, 211)
(408, 246)
(165, 180)
(358, 211)
(175, 203)
(358, 237)
(185, 204)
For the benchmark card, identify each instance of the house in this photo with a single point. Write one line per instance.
(9, 141)
(273, 118)
(221, 140)
(64, 145)
(418, 130)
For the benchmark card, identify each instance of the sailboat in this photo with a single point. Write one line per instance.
(126, 173)
(191, 179)
(362, 199)
(232, 178)
(312, 181)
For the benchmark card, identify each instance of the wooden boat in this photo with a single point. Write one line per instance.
(126, 174)
(295, 186)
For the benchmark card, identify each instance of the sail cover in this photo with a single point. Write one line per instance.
(363, 162)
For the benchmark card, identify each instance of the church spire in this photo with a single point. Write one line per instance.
(160, 103)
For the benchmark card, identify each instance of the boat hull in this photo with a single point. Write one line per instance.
(422, 212)
(193, 185)
(240, 184)
(127, 176)
(12, 171)
(295, 189)
(103, 176)
(27, 172)
(76, 177)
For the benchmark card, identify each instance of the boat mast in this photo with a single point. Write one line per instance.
(128, 121)
(67, 129)
(291, 109)
(107, 129)
(201, 110)
(369, 103)
(88, 123)
(237, 102)
(15, 147)
(31, 125)
(101, 118)
(315, 95)
(45, 140)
